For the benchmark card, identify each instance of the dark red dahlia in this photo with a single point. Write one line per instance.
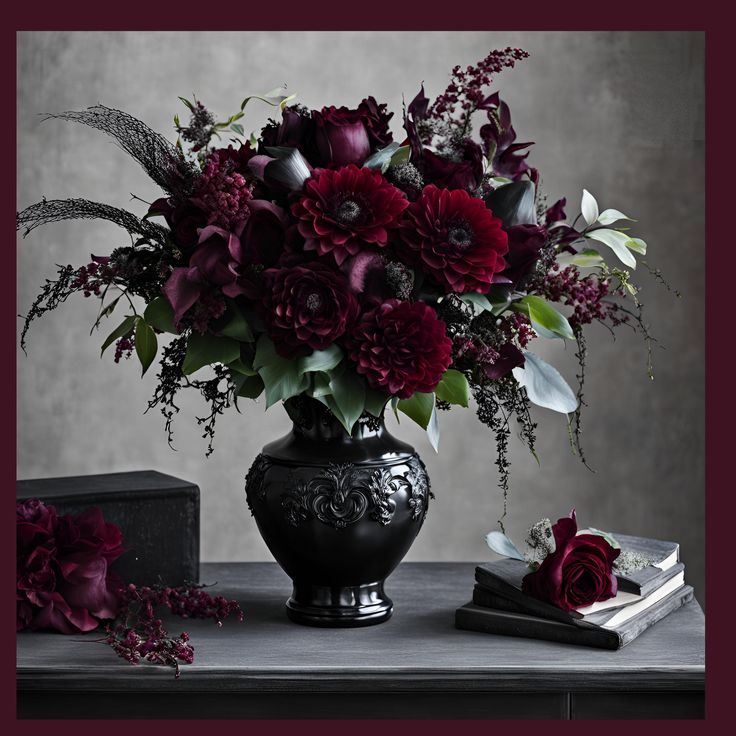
(343, 210)
(307, 307)
(401, 347)
(455, 238)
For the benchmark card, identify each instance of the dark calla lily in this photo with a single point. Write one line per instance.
(284, 168)
(513, 203)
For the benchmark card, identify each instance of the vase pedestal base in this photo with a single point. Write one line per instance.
(339, 606)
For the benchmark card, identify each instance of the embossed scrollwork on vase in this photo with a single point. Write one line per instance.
(418, 481)
(342, 494)
(255, 488)
(336, 497)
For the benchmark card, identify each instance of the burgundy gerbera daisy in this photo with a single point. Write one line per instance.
(342, 210)
(307, 308)
(400, 347)
(455, 238)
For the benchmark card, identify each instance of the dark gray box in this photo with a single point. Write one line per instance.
(158, 516)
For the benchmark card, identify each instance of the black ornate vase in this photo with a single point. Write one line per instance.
(338, 513)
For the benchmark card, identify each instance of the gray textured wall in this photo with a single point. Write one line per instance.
(618, 113)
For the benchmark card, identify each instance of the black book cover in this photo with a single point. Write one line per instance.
(472, 617)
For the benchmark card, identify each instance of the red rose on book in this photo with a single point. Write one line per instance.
(578, 573)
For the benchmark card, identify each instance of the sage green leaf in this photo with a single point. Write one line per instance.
(453, 388)
(503, 546)
(160, 314)
(606, 535)
(544, 385)
(375, 401)
(238, 327)
(146, 344)
(382, 159)
(280, 375)
(433, 429)
(348, 393)
(205, 350)
(616, 241)
(237, 128)
(544, 317)
(608, 217)
(124, 329)
(321, 360)
(588, 258)
(418, 407)
(275, 98)
(589, 207)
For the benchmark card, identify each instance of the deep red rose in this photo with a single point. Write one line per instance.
(63, 576)
(307, 307)
(296, 130)
(343, 210)
(376, 120)
(525, 243)
(340, 136)
(578, 573)
(400, 347)
(455, 238)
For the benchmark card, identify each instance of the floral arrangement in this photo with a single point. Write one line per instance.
(568, 568)
(323, 258)
(64, 583)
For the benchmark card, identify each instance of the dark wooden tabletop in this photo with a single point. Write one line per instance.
(417, 660)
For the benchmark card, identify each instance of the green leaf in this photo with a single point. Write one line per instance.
(382, 159)
(320, 385)
(187, 103)
(146, 344)
(280, 375)
(616, 241)
(205, 350)
(419, 408)
(237, 128)
(375, 401)
(544, 317)
(124, 329)
(585, 259)
(321, 360)
(637, 245)
(275, 98)
(249, 387)
(348, 393)
(160, 314)
(402, 156)
(238, 327)
(479, 302)
(544, 385)
(453, 388)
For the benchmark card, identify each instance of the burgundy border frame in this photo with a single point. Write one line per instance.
(411, 15)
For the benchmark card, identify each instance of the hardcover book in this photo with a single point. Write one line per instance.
(607, 635)
(498, 585)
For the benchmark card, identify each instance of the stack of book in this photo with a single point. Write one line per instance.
(645, 596)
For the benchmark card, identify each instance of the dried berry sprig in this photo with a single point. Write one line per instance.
(138, 634)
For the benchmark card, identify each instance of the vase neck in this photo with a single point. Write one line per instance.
(314, 421)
